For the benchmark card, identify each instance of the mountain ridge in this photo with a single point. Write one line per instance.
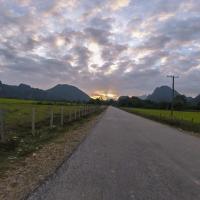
(60, 92)
(164, 94)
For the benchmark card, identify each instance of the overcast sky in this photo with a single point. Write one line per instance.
(115, 46)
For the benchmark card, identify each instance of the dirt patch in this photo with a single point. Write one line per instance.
(28, 173)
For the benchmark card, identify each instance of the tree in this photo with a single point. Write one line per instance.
(98, 101)
(180, 102)
(136, 102)
(124, 101)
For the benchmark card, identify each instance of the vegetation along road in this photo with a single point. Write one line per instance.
(128, 157)
(26, 125)
(187, 120)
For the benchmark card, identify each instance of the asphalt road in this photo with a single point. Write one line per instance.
(128, 157)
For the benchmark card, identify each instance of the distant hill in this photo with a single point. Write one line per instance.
(143, 97)
(58, 93)
(197, 99)
(67, 92)
(162, 94)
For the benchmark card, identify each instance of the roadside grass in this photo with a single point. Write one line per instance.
(20, 115)
(26, 101)
(16, 101)
(17, 127)
(186, 120)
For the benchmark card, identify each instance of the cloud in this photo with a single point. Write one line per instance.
(98, 35)
(111, 52)
(107, 45)
(82, 55)
(182, 29)
(102, 23)
(119, 4)
(156, 42)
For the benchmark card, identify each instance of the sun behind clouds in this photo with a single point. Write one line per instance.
(118, 4)
(104, 95)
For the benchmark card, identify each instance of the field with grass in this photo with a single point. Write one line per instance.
(18, 113)
(50, 118)
(187, 120)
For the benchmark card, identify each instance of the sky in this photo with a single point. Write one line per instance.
(113, 47)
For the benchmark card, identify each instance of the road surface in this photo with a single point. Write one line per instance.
(128, 157)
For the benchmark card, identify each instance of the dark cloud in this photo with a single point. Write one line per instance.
(156, 42)
(182, 29)
(82, 55)
(111, 52)
(98, 35)
(105, 24)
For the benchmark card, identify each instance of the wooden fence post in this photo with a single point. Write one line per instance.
(62, 116)
(33, 121)
(79, 113)
(51, 118)
(75, 115)
(70, 116)
(89, 110)
(85, 111)
(2, 131)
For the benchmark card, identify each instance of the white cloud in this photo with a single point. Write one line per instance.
(119, 4)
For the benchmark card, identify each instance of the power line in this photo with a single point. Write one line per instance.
(173, 92)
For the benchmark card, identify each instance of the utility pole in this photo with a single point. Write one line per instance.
(173, 93)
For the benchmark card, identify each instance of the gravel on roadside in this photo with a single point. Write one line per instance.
(28, 174)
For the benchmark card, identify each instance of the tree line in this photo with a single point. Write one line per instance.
(180, 103)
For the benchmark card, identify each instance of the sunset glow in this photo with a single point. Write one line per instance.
(104, 95)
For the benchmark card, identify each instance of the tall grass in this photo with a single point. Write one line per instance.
(186, 120)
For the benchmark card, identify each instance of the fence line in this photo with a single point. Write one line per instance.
(51, 118)
(59, 118)
(75, 115)
(62, 116)
(70, 116)
(33, 121)
(79, 113)
(2, 131)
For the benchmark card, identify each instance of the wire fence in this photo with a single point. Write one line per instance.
(20, 121)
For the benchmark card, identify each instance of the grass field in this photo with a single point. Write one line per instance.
(182, 115)
(187, 120)
(18, 113)
(17, 118)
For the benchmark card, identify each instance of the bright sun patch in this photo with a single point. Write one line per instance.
(104, 95)
(59, 42)
(111, 69)
(118, 4)
(95, 58)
